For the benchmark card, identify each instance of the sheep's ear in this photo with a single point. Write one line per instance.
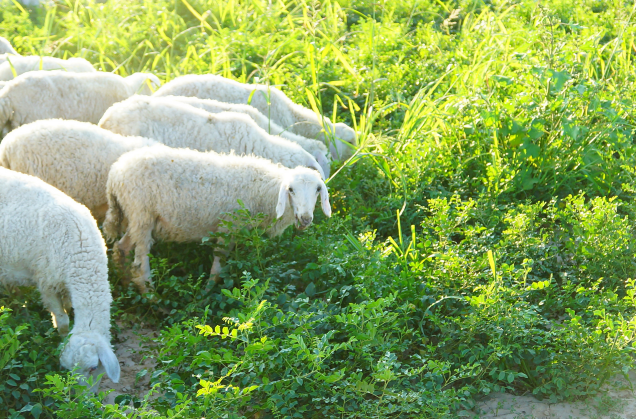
(323, 162)
(316, 166)
(324, 200)
(282, 200)
(109, 361)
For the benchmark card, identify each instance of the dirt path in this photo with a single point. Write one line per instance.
(127, 349)
(614, 404)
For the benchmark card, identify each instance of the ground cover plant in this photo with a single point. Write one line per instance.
(483, 236)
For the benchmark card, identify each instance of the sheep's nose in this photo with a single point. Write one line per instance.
(305, 220)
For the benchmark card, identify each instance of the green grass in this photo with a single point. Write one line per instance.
(482, 240)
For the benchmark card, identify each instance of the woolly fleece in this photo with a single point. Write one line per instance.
(59, 94)
(313, 147)
(49, 241)
(73, 156)
(281, 109)
(182, 194)
(23, 65)
(180, 125)
(5, 47)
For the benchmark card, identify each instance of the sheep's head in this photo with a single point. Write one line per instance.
(92, 355)
(143, 83)
(300, 190)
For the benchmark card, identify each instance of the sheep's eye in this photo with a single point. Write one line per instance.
(318, 190)
(291, 190)
(92, 369)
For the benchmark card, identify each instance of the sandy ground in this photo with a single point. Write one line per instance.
(613, 404)
(128, 348)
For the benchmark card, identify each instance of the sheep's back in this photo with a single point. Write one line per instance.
(188, 192)
(57, 94)
(73, 156)
(45, 234)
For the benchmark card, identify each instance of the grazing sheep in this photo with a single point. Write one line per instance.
(313, 147)
(49, 241)
(6, 48)
(281, 109)
(23, 65)
(176, 124)
(73, 156)
(59, 94)
(181, 195)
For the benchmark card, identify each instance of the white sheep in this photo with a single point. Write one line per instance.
(49, 241)
(313, 147)
(177, 124)
(6, 48)
(73, 156)
(181, 195)
(279, 108)
(59, 94)
(21, 65)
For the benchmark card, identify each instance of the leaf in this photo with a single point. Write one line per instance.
(558, 80)
(531, 150)
(36, 410)
(310, 290)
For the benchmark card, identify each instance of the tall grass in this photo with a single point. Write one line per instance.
(482, 235)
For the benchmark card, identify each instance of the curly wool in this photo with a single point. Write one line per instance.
(59, 94)
(23, 65)
(280, 109)
(73, 156)
(182, 195)
(49, 241)
(180, 125)
(313, 147)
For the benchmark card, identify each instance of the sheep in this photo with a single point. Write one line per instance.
(73, 156)
(181, 195)
(49, 241)
(179, 125)
(281, 109)
(59, 94)
(313, 147)
(6, 48)
(33, 63)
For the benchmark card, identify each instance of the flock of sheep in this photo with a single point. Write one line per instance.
(82, 147)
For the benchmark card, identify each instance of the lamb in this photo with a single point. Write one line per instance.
(73, 156)
(6, 48)
(59, 94)
(281, 109)
(179, 125)
(181, 195)
(49, 241)
(34, 63)
(313, 147)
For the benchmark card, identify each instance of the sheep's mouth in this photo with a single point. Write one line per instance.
(300, 226)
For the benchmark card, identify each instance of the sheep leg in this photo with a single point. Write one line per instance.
(66, 302)
(121, 250)
(53, 303)
(216, 265)
(141, 236)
